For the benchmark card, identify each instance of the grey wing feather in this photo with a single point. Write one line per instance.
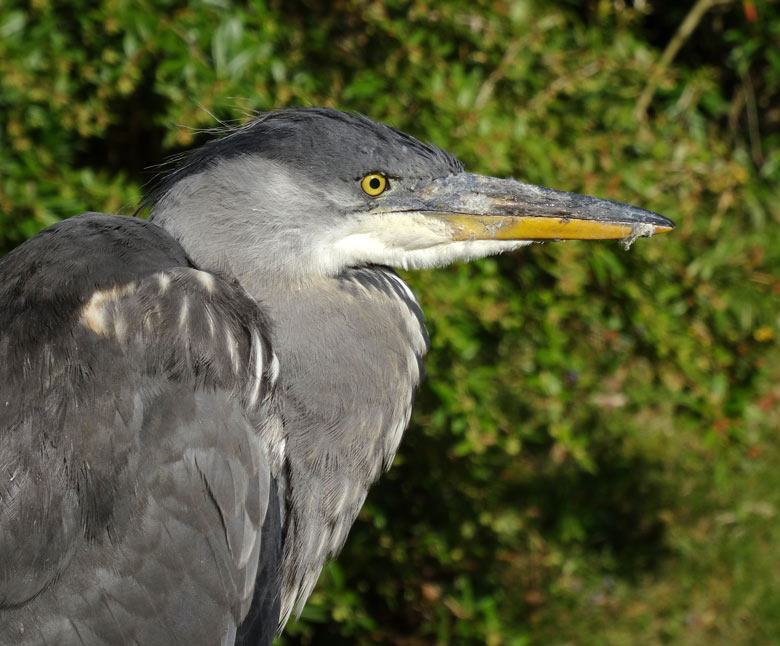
(135, 480)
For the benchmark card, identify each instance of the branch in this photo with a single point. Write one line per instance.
(682, 34)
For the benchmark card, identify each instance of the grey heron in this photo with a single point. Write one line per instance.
(193, 406)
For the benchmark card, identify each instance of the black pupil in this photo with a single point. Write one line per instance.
(375, 183)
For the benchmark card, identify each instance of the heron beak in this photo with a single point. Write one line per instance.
(476, 207)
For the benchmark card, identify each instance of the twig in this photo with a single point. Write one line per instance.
(483, 96)
(682, 34)
(752, 119)
(562, 83)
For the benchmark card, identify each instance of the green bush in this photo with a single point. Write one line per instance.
(593, 456)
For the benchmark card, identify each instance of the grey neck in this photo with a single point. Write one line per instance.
(349, 350)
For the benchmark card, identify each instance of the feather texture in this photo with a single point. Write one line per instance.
(137, 502)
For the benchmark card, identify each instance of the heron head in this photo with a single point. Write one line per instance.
(308, 192)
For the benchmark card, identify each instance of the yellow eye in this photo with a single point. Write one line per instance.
(374, 184)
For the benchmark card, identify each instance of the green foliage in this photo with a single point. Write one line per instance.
(592, 459)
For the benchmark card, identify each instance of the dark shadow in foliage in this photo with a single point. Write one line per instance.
(133, 142)
(617, 506)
